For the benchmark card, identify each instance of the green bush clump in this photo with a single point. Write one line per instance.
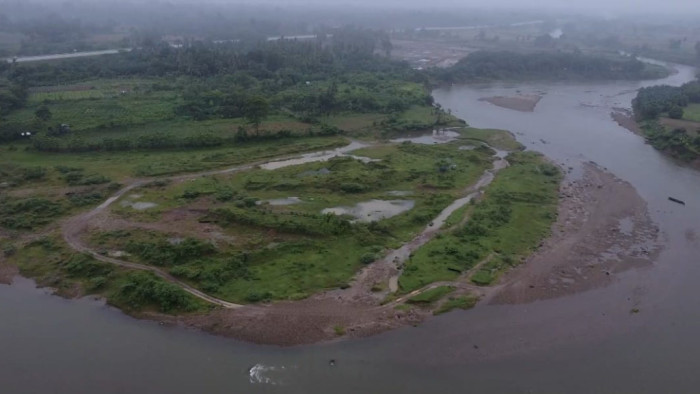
(350, 187)
(33, 173)
(368, 258)
(459, 302)
(483, 278)
(432, 295)
(25, 214)
(81, 265)
(224, 194)
(76, 177)
(142, 289)
(164, 253)
(87, 198)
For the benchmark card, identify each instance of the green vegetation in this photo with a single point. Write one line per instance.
(516, 214)
(458, 302)
(40, 199)
(430, 296)
(339, 330)
(680, 141)
(654, 101)
(670, 118)
(72, 130)
(499, 139)
(49, 261)
(545, 65)
(27, 213)
(692, 112)
(292, 251)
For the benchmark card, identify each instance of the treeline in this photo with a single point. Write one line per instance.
(13, 96)
(159, 140)
(653, 101)
(243, 96)
(503, 65)
(281, 60)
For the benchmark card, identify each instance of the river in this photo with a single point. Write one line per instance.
(588, 342)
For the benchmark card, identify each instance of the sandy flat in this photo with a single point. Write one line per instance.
(522, 103)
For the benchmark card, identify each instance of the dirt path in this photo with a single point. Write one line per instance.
(386, 269)
(73, 228)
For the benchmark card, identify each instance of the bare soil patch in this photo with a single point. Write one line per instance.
(429, 53)
(691, 127)
(603, 228)
(522, 103)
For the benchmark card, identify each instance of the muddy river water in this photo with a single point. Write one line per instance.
(583, 343)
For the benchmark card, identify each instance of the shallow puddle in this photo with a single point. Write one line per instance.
(281, 201)
(437, 137)
(319, 157)
(139, 206)
(373, 210)
(400, 193)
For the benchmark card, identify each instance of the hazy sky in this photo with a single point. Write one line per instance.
(630, 6)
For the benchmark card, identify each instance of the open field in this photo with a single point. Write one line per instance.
(692, 112)
(515, 214)
(289, 250)
(122, 165)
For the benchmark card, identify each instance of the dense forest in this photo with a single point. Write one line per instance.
(503, 65)
(653, 101)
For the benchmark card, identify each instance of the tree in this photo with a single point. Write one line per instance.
(255, 111)
(676, 112)
(43, 113)
(327, 100)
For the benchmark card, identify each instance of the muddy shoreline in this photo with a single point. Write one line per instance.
(7, 272)
(625, 118)
(603, 228)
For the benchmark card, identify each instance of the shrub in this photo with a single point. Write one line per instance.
(141, 289)
(368, 258)
(676, 112)
(34, 173)
(352, 187)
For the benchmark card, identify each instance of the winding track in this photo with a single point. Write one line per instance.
(73, 228)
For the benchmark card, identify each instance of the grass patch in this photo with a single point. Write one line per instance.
(499, 139)
(293, 251)
(50, 262)
(517, 213)
(459, 302)
(430, 296)
(339, 330)
(692, 112)
(119, 166)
